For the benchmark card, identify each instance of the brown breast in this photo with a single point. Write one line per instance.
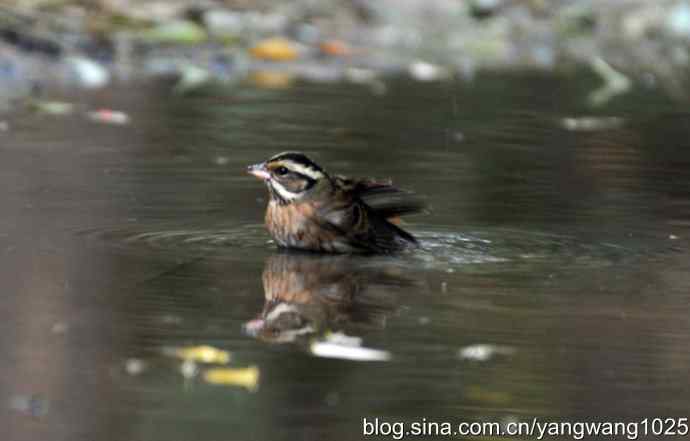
(295, 225)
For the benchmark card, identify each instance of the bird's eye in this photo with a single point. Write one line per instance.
(281, 171)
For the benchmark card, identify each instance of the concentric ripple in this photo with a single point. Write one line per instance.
(250, 236)
(442, 247)
(446, 247)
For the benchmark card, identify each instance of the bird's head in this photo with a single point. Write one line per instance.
(290, 176)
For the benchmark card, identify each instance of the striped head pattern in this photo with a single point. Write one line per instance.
(289, 176)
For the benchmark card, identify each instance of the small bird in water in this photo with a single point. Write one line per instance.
(312, 210)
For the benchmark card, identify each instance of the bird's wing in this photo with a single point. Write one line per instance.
(364, 228)
(382, 197)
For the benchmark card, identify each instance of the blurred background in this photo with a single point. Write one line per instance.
(144, 300)
(92, 43)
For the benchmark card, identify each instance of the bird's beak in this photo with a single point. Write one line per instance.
(259, 170)
(254, 327)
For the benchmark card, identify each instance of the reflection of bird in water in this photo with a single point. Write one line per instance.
(307, 295)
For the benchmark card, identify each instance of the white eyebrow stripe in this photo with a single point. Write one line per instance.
(279, 310)
(306, 171)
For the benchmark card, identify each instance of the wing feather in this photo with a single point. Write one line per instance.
(365, 229)
(382, 197)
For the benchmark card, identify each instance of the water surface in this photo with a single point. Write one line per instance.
(565, 250)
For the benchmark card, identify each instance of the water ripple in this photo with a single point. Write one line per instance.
(243, 237)
(445, 247)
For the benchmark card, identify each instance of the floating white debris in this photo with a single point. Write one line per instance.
(672, 236)
(423, 71)
(340, 338)
(87, 73)
(53, 107)
(189, 369)
(354, 353)
(134, 366)
(346, 347)
(483, 352)
(107, 116)
(4, 126)
(591, 123)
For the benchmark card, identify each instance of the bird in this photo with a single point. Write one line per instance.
(312, 210)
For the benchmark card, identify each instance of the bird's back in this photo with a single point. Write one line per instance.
(367, 211)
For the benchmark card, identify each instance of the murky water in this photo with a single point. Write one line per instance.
(552, 280)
